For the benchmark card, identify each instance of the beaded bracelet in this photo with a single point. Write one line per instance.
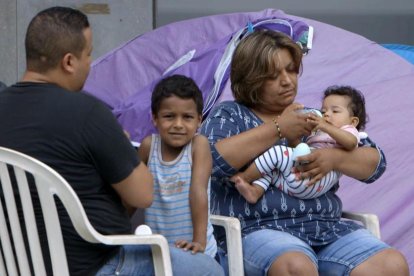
(278, 127)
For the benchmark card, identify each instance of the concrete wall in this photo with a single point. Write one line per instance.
(383, 21)
(116, 21)
(113, 22)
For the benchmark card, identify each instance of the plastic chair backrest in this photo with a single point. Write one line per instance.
(45, 181)
(49, 184)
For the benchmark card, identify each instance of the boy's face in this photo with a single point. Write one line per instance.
(336, 112)
(177, 121)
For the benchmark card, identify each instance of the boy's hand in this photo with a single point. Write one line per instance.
(193, 246)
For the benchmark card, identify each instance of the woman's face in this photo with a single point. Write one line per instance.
(279, 92)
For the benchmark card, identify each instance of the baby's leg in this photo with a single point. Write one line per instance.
(276, 158)
(301, 189)
(251, 192)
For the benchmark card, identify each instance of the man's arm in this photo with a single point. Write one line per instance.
(137, 189)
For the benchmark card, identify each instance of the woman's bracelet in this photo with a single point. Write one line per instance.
(279, 132)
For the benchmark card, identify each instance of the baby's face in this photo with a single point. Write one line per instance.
(177, 121)
(335, 110)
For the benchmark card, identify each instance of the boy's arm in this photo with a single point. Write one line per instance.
(144, 149)
(345, 138)
(201, 171)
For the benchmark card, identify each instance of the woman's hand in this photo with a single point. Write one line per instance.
(315, 165)
(293, 124)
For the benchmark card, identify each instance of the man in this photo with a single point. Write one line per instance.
(78, 136)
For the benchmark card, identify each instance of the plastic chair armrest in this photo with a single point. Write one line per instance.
(234, 243)
(370, 221)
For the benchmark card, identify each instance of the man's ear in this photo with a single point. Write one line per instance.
(68, 63)
(355, 121)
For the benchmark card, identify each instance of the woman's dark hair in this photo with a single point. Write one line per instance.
(253, 63)
(177, 85)
(51, 34)
(356, 104)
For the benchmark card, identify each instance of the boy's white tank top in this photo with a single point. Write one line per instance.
(170, 213)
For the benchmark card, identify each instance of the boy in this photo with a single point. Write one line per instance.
(180, 162)
(344, 115)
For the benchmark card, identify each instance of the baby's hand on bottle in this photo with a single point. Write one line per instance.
(193, 246)
(316, 121)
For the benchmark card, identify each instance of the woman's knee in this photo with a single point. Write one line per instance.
(293, 263)
(386, 262)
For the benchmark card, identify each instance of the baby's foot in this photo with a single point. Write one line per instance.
(245, 189)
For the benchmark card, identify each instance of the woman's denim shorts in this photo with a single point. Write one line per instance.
(261, 249)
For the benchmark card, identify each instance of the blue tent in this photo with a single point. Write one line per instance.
(405, 51)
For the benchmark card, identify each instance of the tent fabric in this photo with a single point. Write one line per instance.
(338, 57)
(206, 63)
(405, 51)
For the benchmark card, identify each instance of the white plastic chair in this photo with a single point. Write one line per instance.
(49, 184)
(370, 221)
(233, 236)
(234, 243)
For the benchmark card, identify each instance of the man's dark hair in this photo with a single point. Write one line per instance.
(356, 104)
(176, 85)
(51, 34)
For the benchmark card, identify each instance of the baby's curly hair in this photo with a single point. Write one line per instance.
(357, 102)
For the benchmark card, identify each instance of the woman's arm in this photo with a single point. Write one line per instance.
(241, 148)
(364, 163)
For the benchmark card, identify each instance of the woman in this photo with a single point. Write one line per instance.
(283, 235)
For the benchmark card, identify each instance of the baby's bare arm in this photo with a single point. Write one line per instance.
(346, 139)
